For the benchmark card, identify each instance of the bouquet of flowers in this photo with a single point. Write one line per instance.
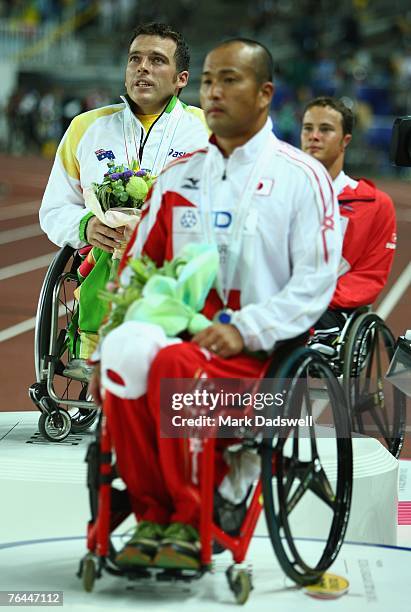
(123, 187)
(171, 296)
(117, 200)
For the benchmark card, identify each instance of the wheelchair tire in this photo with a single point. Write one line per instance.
(82, 418)
(370, 344)
(285, 480)
(55, 426)
(240, 584)
(65, 261)
(89, 572)
(59, 264)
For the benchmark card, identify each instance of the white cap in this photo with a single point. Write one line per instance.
(407, 335)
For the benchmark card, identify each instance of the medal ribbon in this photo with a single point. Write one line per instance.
(167, 137)
(225, 278)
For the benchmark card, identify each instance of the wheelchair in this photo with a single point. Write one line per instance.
(360, 358)
(63, 401)
(292, 467)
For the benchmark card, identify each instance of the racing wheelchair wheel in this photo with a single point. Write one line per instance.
(376, 408)
(82, 418)
(56, 308)
(65, 260)
(295, 463)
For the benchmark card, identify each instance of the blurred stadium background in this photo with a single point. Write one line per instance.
(61, 57)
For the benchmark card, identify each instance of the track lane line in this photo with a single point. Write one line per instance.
(26, 266)
(27, 325)
(24, 209)
(21, 233)
(395, 293)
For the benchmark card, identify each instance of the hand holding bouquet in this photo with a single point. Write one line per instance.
(118, 199)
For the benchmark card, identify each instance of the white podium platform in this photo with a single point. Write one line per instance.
(378, 580)
(45, 510)
(373, 516)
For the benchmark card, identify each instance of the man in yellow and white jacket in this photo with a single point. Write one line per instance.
(151, 126)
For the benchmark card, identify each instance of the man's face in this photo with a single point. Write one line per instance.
(151, 74)
(322, 134)
(232, 99)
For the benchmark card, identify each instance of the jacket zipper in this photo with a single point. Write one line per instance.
(143, 142)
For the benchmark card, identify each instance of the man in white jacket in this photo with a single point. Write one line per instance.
(151, 126)
(271, 212)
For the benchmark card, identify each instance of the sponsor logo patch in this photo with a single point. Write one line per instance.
(188, 219)
(191, 183)
(222, 218)
(174, 153)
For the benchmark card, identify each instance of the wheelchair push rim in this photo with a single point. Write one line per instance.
(83, 418)
(376, 409)
(44, 308)
(287, 479)
(51, 345)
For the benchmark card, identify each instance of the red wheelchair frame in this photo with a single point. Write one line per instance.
(98, 532)
(105, 521)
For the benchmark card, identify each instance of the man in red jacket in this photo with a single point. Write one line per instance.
(367, 214)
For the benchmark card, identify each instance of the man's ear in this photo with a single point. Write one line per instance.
(182, 79)
(346, 140)
(266, 93)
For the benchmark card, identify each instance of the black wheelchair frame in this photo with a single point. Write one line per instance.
(360, 358)
(52, 353)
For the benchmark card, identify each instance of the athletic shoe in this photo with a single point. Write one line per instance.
(179, 549)
(142, 547)
(78, 369)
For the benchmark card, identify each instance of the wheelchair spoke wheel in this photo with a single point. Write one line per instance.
(377, 408)
(83, 418)
(308, 465)
(55, 337)
(66, 261)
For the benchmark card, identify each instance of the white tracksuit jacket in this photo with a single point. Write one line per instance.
(287, 270)
(95, 137)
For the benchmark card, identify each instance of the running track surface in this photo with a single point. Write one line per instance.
(21, 187)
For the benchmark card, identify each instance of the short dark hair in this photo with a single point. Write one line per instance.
(182, 52)
(347, 117)
(264, 65)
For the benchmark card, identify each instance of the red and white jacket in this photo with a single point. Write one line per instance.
(291, 248)
(369, 227)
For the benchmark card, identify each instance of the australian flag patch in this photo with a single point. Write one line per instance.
(102, 154)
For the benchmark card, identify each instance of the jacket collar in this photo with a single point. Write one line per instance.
(170, 105)
(364, 191)
(342, 181)
(247, 152)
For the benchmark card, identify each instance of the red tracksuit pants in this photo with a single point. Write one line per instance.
(157, 470)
